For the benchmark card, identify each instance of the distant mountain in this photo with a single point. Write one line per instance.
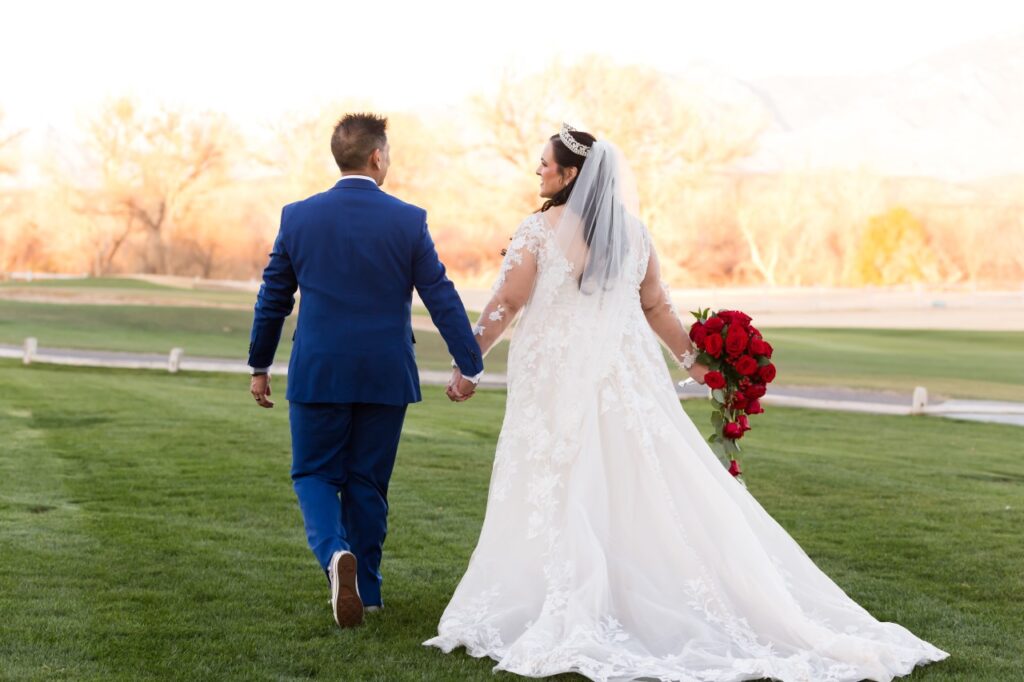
(957, 115)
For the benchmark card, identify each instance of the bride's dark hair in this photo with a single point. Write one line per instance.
(566, 158)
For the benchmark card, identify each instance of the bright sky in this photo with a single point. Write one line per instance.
(255, 60)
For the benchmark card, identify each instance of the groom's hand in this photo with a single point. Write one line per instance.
(459, 389)
(259, 387)
(466, 387)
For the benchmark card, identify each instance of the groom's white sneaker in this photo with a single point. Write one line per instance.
(345, 600)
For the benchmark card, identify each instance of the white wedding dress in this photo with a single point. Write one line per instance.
(615, 544)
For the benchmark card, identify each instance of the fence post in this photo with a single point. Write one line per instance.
(174, 360)
(919, 401)
(31, 346)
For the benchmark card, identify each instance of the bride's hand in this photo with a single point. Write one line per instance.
(697, 371)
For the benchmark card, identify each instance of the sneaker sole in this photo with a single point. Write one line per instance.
(345, 600)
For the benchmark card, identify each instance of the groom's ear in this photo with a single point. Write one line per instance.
(377, 159)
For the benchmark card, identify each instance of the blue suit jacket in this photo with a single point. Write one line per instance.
(356, 252)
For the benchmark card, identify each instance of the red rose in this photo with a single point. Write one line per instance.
(743, 422)
(758, 346)
(713, 345)
(739, 401)
(756, 391)
(745, 365)
(734, 468)
(727, 318)
(754, 407)
(742, 319)
(767, 373)
(733, 431)
(768, 350)
(754, 331)
(697, 334)
(714, 380)
(714, 325)
(735, 339)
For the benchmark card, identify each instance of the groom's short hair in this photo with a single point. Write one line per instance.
(356, 137)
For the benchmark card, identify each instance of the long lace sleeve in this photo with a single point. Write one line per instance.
(514, 285)
(661, 314)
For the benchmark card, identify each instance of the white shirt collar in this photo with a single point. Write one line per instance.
(358, 177)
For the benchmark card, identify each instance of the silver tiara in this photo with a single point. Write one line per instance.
(568, 140)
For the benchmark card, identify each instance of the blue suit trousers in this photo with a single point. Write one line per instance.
(342, 458)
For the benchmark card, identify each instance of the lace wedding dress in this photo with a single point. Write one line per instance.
(615, 544)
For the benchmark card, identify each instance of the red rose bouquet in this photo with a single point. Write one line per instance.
(740, 368)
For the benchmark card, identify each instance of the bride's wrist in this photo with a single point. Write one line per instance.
(687, 359)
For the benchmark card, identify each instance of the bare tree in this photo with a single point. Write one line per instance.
(298, 154)
(151, 171)
(674, 132)
(799, 228)
(14, 249)
(8, 140)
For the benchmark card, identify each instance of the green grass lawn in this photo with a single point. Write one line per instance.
(148, 531)
(949, 363)
(136, 290)
(988, 365)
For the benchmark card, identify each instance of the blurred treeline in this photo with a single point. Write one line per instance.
(151, 189)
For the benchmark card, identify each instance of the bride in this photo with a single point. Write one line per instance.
(614, 543)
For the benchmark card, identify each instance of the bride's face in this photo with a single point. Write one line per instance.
(552, 177)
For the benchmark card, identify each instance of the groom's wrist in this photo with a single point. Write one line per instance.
(473, 379)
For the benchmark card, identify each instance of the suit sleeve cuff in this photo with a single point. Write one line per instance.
(475, 379)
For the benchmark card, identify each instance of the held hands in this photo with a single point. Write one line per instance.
(459, 388)
(259, 387)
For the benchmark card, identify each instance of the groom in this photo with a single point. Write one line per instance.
(355, 253)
